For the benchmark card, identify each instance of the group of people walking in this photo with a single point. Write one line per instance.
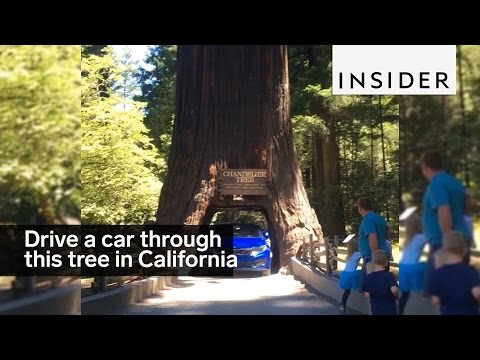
(374, 280)
(443, 222)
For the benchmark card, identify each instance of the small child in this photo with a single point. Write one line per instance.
(381, 286)
(411, 270)
(455, 286)
(350, 276)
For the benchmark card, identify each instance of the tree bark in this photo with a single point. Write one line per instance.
(318, 167)
(334, 218)
(233, 111)
(308, 179)
(384, 160)
(462, 112)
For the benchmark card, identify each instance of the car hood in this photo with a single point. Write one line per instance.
(247, 242)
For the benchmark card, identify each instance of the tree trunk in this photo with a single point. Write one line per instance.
(332, 198)
(47, 210)
(330, 155)
(403, 168)
(318, 167)
(308, 179)
(233, 111)
(372, 151)
(384, 160)
(346, 174)
(462, 113)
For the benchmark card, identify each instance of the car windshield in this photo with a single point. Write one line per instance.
(246, 231)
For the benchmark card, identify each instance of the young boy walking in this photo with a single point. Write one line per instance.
(381, 286)
(455, 285)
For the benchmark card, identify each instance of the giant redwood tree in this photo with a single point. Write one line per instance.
(233, 111)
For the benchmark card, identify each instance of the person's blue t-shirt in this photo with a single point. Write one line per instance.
(378, 284)
(453, 285)
(372, 223)
(444, 189)
(413, 251)
(352, 263)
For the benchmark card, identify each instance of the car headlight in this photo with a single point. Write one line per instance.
(257, 250)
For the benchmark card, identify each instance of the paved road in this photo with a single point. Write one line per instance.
(271, 295)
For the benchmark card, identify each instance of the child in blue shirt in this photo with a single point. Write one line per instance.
(350, 276)
(381, 286)
(411, 270)
(455, 285)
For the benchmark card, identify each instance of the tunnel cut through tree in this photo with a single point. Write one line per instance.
(233, 111)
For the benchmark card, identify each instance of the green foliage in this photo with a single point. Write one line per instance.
(158, 91)
(438, 122)
(39, 133)
(362, 171)
(93, 50)
(129, 68)
(119, 164)
(304, 126)
(352, 123)
(241, 217)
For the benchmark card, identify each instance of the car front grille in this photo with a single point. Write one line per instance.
(242, 251)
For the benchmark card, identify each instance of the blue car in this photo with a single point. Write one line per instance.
(251, 245)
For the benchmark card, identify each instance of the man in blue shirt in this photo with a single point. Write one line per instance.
(444, 202)
(372, 234)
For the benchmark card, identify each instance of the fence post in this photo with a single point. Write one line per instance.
(30, 284)
(304, 250)
(336, 240)
(312, 257)
(100, 283)
(327, 254)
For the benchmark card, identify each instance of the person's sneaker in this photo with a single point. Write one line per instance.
(343, 309)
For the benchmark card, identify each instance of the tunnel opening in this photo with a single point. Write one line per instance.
(248, 215)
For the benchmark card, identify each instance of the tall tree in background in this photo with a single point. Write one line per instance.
(128, 87)
(157, 83)
(233, 111)
(445, 123)
(119, 163)
(348, 145)
(316, 122)
(105, 81)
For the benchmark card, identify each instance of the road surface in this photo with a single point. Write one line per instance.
(270, 295)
